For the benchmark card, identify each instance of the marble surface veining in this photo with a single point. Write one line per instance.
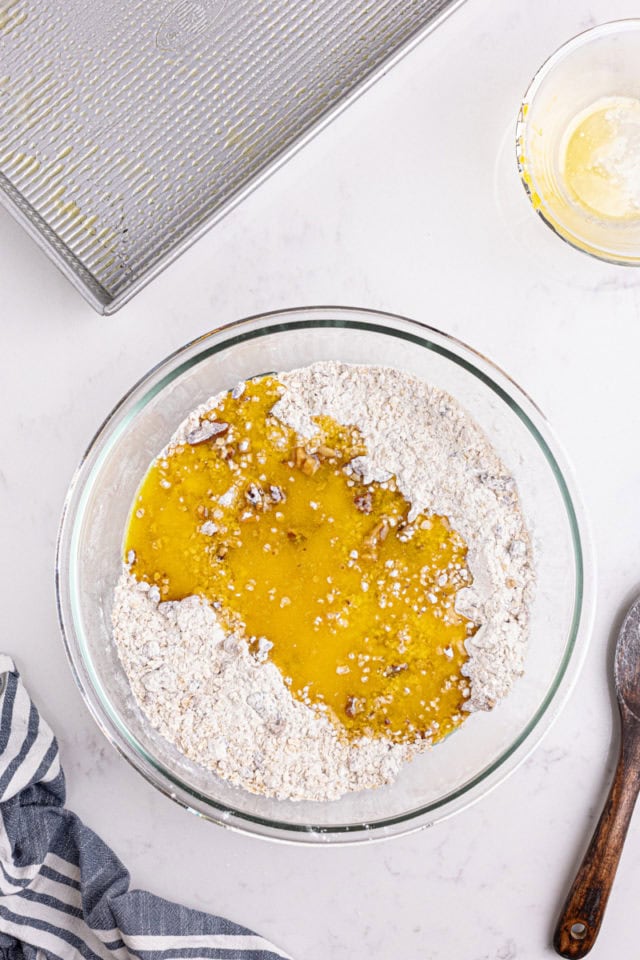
(409, 203)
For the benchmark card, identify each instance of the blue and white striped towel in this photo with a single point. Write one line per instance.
(63, 893)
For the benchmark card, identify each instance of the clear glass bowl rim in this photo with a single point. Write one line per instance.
(143, 392)
(585, 36)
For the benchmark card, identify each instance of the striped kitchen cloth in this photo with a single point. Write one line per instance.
(63, 892)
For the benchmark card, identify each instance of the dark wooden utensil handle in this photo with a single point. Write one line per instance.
(582, 914)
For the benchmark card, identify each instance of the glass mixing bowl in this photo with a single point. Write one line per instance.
(488, 746)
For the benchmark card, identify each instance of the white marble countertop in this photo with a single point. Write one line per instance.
(408, 203)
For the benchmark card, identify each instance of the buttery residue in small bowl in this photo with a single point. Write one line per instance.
(600, 158)
(325, 572)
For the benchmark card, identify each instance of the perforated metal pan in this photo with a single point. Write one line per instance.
(129, 127)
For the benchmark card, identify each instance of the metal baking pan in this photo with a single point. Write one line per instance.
(129, 127)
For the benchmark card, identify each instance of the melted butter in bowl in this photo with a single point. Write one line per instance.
(321, 573)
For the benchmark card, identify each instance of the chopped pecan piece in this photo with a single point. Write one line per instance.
(276, 494)
(307, 462)
(375, 538)
(381, 531)
(352, 706)
(295, 536)
(327, 453)
(254, 494)
(394, 669)
(364, 502)
(206, 430)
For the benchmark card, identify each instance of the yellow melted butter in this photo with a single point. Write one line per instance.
(295, 551)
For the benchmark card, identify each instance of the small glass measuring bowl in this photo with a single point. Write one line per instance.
(603, 62)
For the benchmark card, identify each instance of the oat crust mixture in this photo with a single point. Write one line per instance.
(229, 712)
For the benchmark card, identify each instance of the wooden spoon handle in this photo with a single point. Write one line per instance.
(582, 914)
